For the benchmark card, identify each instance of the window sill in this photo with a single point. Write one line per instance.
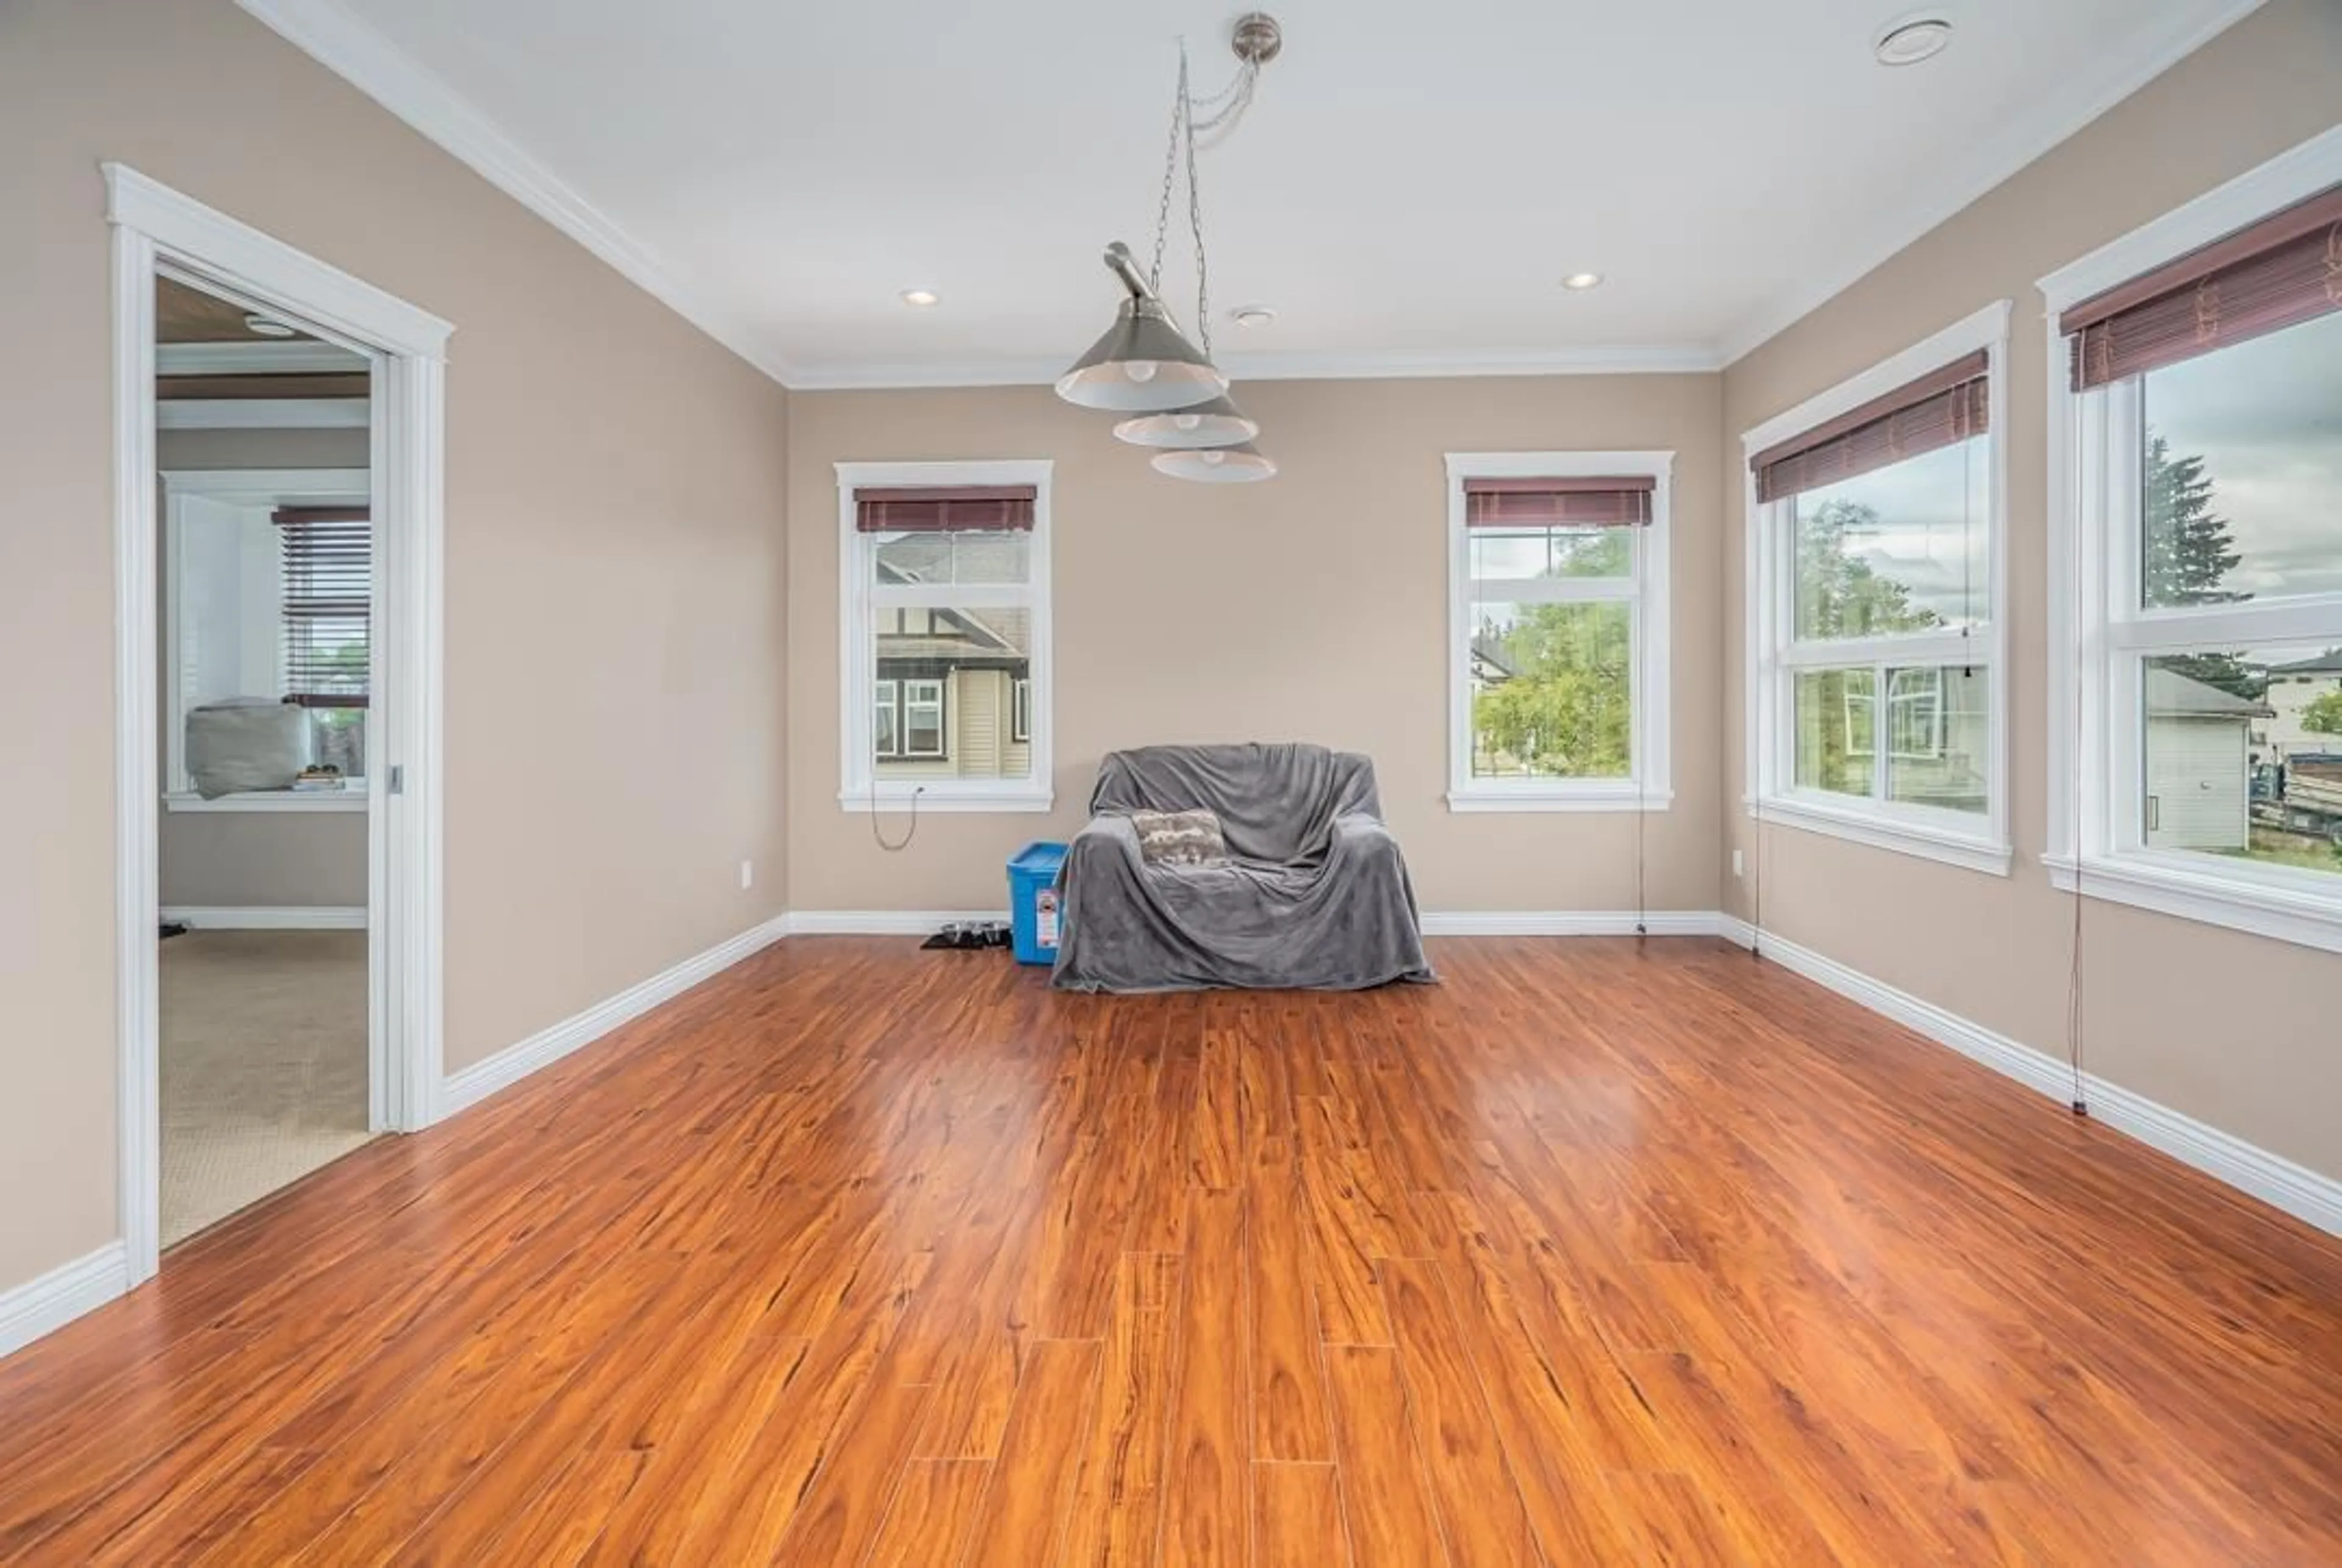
(2304, 917)
(948, 796)
(1596, 798)
(350, 799)
(1971, 852)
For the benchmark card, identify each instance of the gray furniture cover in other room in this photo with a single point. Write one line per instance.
(1314, 893)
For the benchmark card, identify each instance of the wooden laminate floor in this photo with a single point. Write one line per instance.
(862, 1255)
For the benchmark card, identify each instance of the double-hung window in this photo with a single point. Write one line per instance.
(1877, 703)
(2196, 650)
(1557, 631)
(943, 636)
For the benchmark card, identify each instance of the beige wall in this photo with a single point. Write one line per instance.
(1312, 608)
(614, 575)
(247, 859)
(2232, 1029)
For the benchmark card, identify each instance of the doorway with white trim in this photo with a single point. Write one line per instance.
(277, 440)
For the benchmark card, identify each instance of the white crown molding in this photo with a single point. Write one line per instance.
(461, 1090)
(337, 39)
(2293, 175)
(48, 1302)
(267, 917)
(257, 359)
(263, 414)
(2305, 1194)
(1649, 359)
(330, 34)
(1967, 177)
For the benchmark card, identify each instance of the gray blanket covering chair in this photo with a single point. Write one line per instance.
(1314, 894)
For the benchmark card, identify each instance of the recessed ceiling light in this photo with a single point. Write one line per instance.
(1582, 281)
(267, 326)
(1912, 40)
(1254, 315)
(921, 297)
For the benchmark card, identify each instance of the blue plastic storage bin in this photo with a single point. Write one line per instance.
(1033, 912)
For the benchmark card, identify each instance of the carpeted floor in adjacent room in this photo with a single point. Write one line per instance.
(264, 1047)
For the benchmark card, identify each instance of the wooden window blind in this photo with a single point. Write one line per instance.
(328, 554)
(2280, 272)
(1942, 408)
(1613, 501)
(989, 508)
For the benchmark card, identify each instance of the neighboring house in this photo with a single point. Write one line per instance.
(2198, 763)
(954, 694)
(2291, 689)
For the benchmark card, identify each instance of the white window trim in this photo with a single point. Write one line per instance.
(941, 703)
(2088, 817)
(1649, 725)
(306, 486)
(858, 789)
(1953, 838)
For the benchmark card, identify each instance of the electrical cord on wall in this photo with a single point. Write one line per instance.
(909, 833)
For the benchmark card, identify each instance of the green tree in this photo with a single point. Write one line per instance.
(2324, 717)
(1842, 595)
(2187, 551)
(1561, 708)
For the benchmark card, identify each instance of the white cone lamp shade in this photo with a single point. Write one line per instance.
(1143, 365)
(1215, 465)
(1219, 423)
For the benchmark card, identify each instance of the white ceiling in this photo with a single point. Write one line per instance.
(1408, 189)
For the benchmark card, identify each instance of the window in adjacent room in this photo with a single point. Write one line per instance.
(1557, 631)
(2203, 406)
(1874, 547)
(268, 605)
(946, 599)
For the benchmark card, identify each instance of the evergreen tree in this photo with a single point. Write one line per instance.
(2189, 550)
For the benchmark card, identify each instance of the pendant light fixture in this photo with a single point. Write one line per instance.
(1217, 465)
(1219, 423)
(1144, 365)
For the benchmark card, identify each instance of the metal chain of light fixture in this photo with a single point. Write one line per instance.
(1142, 365)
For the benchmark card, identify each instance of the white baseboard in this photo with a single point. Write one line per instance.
(1569, 922)
(474, 1084)
(268, 917)
(883, 921)
(1465, 923)
(2276, 1180)
(54, 1299)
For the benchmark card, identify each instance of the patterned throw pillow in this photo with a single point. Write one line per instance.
(1180, 838)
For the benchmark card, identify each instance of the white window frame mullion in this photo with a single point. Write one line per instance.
(2100, 640)
(1646, 592)
(1775, 655)
(860, 599)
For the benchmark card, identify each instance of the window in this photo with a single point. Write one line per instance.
(1875, 708)
(887, 720)
(2197, 640)
(923, 719)
(327, 608)
(1557, 631)
(945, 622)
(267, 596)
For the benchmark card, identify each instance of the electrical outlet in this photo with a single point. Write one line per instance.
(1736, 863)
(747, 874)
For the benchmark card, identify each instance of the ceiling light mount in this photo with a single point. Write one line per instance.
(1256, 39)
(1908, 40)
(1253, 315)
(1579, 281)
(921, 298)
(261, 326)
